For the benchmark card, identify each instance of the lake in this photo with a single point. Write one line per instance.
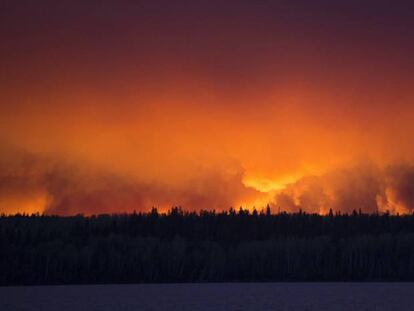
(211, 296)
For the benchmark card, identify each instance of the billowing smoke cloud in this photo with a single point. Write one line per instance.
(364, 187)
(46, 184)
(30, 183)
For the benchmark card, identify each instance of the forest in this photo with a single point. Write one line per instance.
(205, 246)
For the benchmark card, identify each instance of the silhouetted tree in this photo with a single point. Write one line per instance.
(181, 246)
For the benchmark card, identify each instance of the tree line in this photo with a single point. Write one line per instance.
(205, 246)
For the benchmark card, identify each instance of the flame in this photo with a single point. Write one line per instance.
(28, 204)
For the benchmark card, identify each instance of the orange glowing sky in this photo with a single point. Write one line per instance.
(115, 107)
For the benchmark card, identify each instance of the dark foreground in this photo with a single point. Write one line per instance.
(212, 296)
(205, 247)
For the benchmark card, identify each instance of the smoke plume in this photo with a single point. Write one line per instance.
(364, 187)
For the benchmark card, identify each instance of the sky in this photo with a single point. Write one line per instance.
(110, 107)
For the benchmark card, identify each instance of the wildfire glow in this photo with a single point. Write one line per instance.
(124, 107)
(269, 185)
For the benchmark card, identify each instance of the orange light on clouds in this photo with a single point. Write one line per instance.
(126, 107)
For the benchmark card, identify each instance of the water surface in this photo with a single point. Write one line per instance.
(211, 296)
